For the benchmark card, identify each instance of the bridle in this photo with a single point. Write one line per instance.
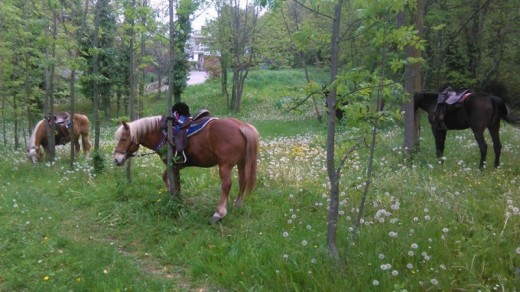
(133, 141)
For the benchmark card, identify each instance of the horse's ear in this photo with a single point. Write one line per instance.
(125, 125)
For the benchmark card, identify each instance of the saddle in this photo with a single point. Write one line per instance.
(446, 100)
(61, 123)
(183, 127)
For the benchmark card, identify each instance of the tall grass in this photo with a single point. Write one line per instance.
(426, 227)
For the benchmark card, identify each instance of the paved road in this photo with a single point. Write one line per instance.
(197, 77)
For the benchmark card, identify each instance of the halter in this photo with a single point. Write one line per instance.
(125, 153)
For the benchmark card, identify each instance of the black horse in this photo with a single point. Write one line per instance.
(478, 112)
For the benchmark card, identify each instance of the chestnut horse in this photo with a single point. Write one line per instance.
(224, 142)
(61, 135)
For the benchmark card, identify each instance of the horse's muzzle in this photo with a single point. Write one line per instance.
(119, 158)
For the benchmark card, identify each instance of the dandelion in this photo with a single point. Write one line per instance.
(46, 278)
(445, 230)
(395, 273)
(285, 234)
(409, 266)
(411, 253)
(285, 256)
(381, 256)
(415, 219)
(313, 260)
(443, 267)
(289, 221)
(304, 242)
(434, 282)
(375, 282)
(309, 227)
(427, 218)
(392, 234)
(518, 250)
(414, 246)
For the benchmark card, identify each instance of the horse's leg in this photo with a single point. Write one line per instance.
(225, 178)
(440, 140)
(86, 145)
(77, 146)
(497, 146)
(479, 136)
(241, 184)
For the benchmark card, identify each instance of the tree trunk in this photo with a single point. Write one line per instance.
(332, 217)
(72, 111)
(95, 97)
(159, 84)
(412, 83)
(169, 163)
(15, 112)
(133, 84)
(47, 106)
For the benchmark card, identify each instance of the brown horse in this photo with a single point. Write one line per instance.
(224, 142)
(61, 135)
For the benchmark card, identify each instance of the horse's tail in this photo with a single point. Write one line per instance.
(505, 112)
(250, 160)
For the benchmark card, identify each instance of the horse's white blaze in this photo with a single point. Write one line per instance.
(119, 158)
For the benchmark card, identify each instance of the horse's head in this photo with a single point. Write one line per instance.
(126, 144)
(34, 154)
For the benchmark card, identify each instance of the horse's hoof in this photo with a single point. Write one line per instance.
(215, 219)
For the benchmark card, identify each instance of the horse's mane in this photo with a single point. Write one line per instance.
(140, 127)
(32, 139)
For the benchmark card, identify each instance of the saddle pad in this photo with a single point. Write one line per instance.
(197, 126)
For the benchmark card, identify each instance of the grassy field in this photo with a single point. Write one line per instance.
(426, 226)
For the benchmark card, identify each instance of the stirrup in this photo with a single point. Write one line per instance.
(180, 159)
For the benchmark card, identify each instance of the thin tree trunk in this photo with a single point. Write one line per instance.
(47, 106)
(15, 112)
(133, 85)
(169, 163)
(4, 125)
(95, 97)
(332, 217)
(72, 111)
(412, 83)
